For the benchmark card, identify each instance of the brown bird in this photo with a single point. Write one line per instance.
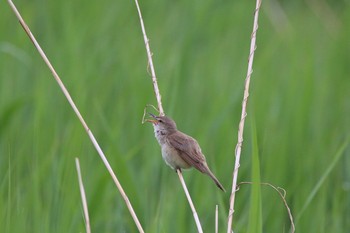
(179, 150)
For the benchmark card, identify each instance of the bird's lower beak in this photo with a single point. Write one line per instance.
(152, 121)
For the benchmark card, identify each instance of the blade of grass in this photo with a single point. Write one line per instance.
(7, 113)
(317, 187)
(255, 212)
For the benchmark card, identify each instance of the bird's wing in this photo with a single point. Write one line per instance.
(189, 150)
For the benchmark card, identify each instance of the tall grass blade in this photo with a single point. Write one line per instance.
(317, 187)
(255, 212)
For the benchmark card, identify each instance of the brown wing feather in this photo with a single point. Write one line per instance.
(191, 153)
(189, 150)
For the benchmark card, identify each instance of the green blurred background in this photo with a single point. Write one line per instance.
(298, 113)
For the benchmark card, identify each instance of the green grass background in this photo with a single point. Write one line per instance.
(299, 108)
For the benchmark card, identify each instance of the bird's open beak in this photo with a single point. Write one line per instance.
(153, 121)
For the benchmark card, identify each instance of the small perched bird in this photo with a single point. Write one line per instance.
(179, 150)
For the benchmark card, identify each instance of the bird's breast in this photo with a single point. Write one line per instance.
(172, 158)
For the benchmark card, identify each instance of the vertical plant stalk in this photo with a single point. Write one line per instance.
(83, 197)
(243, 116)
(81, 119)
(150, 62)
(195, 215)
(161, 112)
(216, 219)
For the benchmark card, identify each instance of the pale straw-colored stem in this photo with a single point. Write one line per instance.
(195, 215)
(150, 62)
(161, 111)
(216, 219)
(243, 116)
(83, 197)
(70, 100)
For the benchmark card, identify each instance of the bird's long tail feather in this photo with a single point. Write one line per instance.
(217, 182)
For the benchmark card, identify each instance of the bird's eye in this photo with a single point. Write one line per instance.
(160, 120)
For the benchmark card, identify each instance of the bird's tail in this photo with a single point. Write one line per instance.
(217, 182)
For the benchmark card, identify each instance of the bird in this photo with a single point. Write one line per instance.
(179, 150)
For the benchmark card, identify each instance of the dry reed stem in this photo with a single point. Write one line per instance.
(83, 197)
(195, 215)
(216, 219)
(150, 62)
(283, 197)
(161, 111)
(81, 119)
(243, 116)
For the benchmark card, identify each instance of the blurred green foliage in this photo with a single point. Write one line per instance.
(299, 99)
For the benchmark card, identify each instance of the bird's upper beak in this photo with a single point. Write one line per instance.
(154, 121)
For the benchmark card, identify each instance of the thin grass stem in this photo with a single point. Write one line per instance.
(161, 111)
(195, 215)
(216, 219)
(282, 194)
(81, 119)
(150, 62)
(83, 197)
(243, 116)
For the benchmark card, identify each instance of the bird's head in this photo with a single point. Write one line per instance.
(162, 122)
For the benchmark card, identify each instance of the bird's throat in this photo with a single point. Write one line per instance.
(160, 135)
